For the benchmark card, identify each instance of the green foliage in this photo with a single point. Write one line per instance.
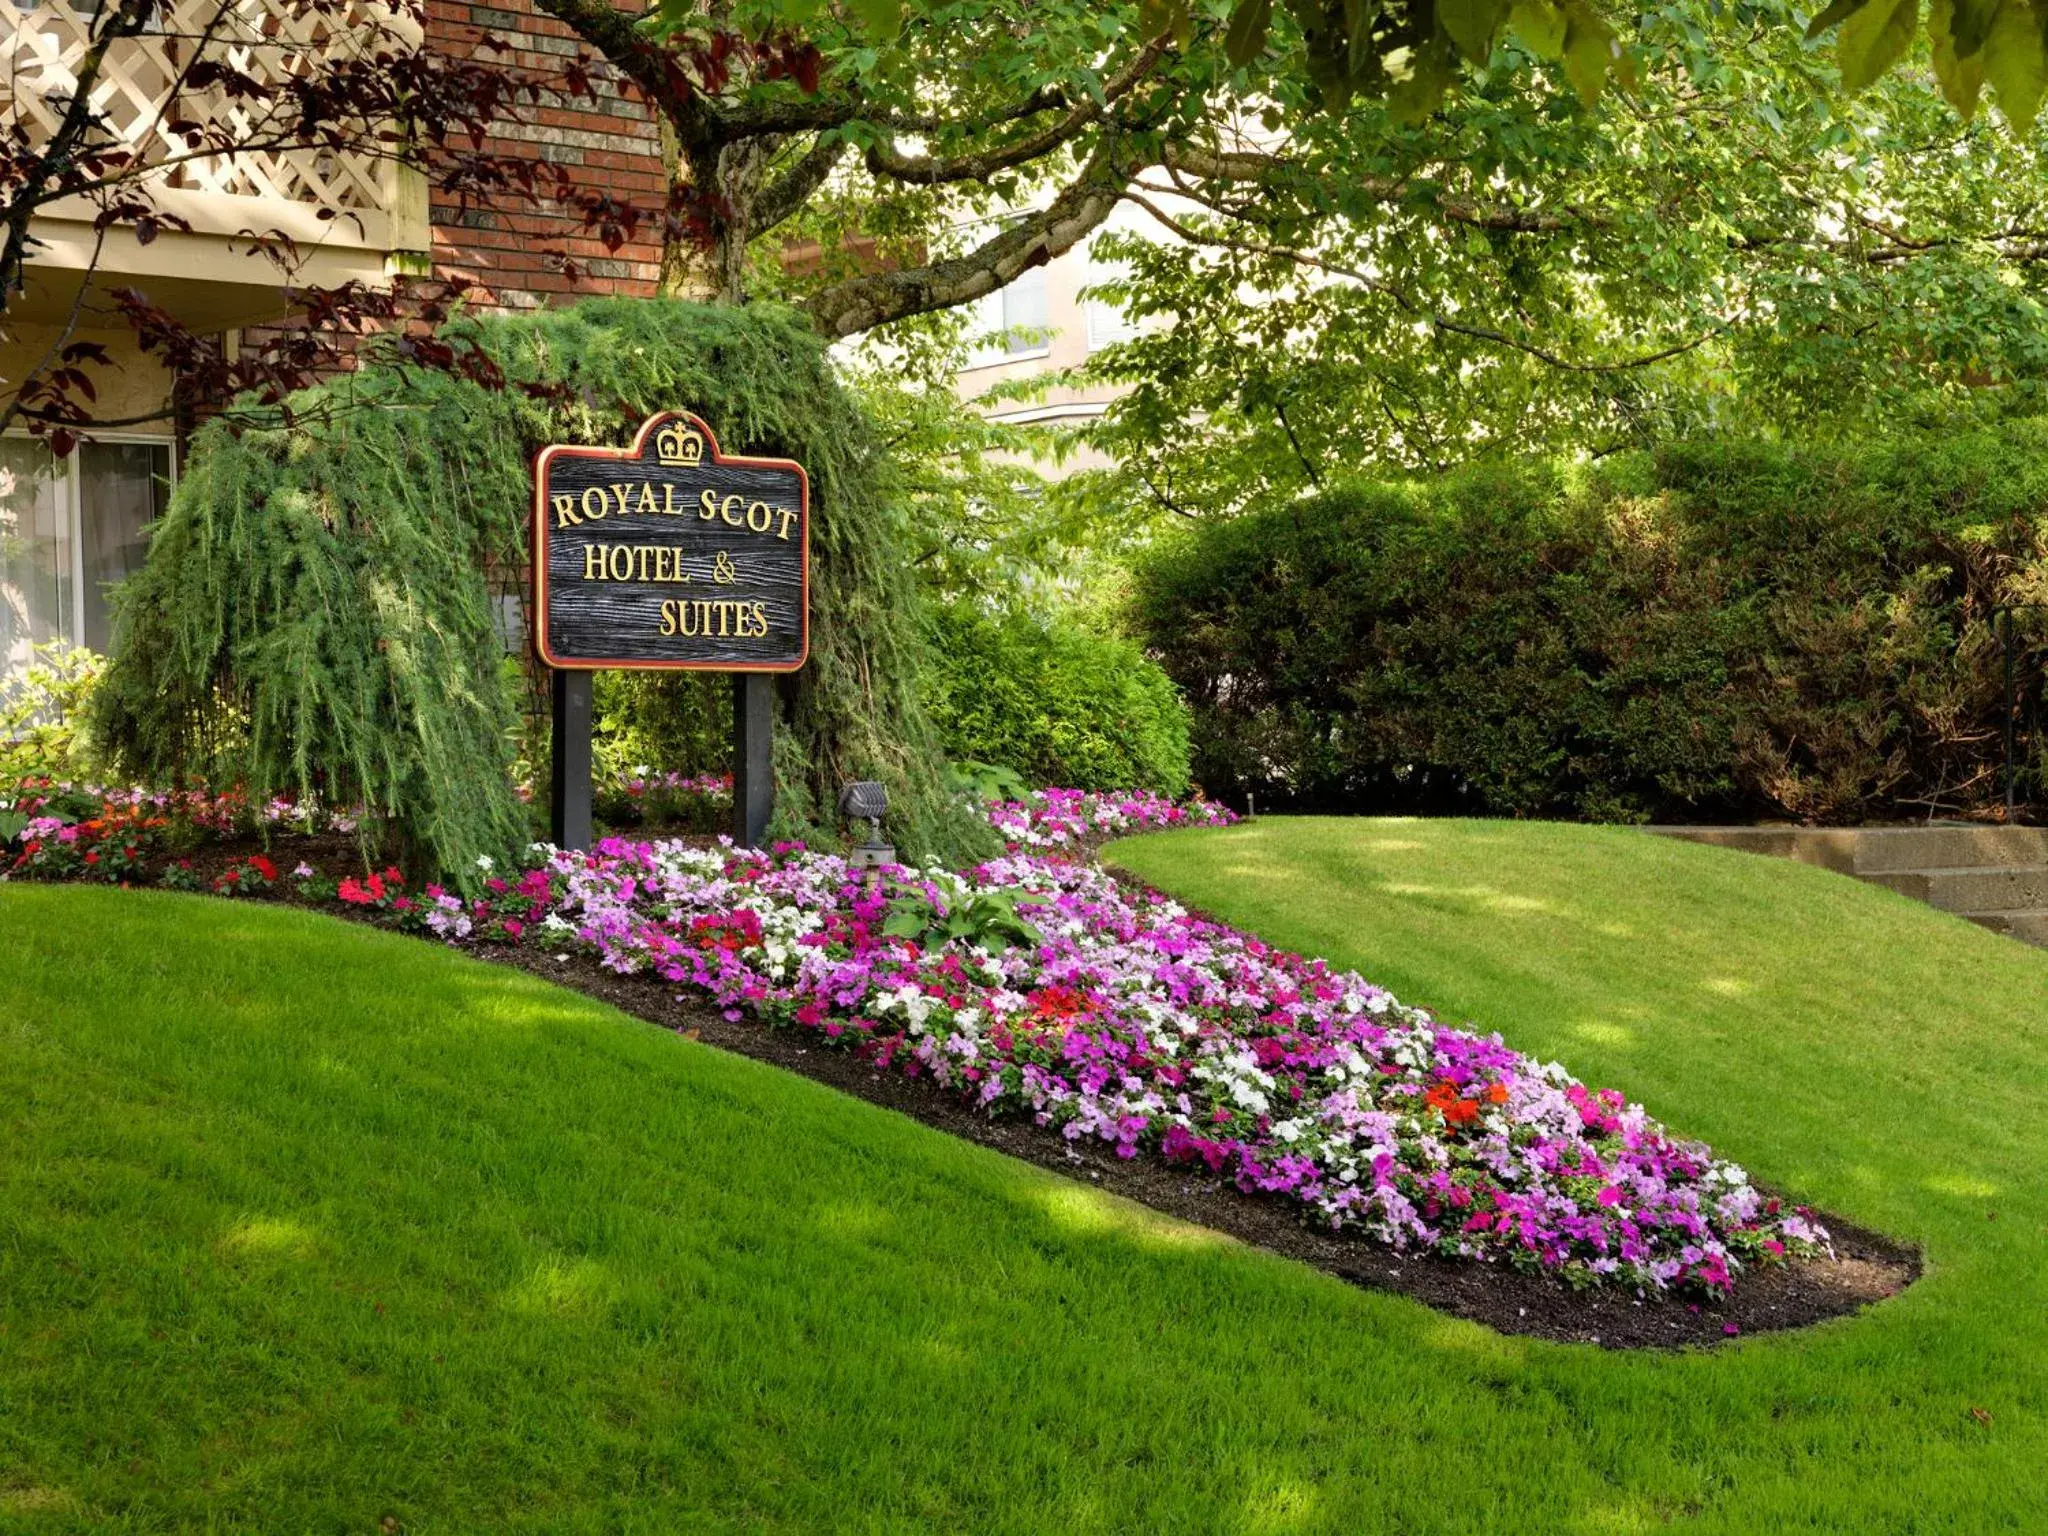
(679, 720)
(986, 781)
(1722, 629)
(317, 615)
(1412, 63)
(982, 515)
(42, 714)
(1511, 276)
(1054, 701)
(944, 910)
(314, 618)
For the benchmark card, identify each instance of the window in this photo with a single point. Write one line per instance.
(35, 552)
(69, 530)
(1107, 322)
(1000, 316)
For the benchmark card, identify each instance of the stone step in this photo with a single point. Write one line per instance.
(2029, 926)
(1966, 891)
(1880, 849)
(1829, 847)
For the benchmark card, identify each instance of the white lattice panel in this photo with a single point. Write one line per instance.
(41, 49)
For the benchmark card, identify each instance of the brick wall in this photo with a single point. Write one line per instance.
(612, 144)
(509, 256)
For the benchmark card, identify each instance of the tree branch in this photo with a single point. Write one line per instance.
(764, 119)
(1377, 285)
(789, 192)
(615, 35)
(926, 171)
(1273, 170)
(1314, 475)
(873, 299)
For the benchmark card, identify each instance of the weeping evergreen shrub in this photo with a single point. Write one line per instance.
(318, 613)
(314, 619)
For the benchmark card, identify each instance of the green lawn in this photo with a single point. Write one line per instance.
(304, 1226)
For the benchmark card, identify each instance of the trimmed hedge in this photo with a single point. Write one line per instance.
(1056, 702)
(1719, 630)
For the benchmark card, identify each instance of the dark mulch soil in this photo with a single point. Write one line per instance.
(1867, 1267)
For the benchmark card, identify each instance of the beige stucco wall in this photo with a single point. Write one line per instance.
(130, 385)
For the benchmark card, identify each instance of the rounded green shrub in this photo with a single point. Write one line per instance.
(1721, 629)
(1054, 701)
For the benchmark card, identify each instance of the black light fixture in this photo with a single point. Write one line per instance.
(864, 799)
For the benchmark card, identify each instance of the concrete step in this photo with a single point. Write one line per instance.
(1967, 891)
(2029, 926)
(1881, 849)
(1829, 847)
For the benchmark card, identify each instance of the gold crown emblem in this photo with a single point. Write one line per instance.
(678, 443)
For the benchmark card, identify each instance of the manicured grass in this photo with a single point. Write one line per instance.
(304, 1226)
(1884, 1060)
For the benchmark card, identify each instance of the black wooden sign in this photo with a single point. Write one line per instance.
(670, 554)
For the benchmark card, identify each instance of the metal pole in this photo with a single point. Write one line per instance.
(2005, 645)
(753, 756)
(569, 803)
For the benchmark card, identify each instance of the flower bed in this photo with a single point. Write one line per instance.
(1072, 819)
(1044, 988)
(1037, 986)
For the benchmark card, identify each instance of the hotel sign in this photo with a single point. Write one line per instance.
(669, 553)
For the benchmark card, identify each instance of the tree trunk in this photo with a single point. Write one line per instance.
(689, 271)
(709, 218)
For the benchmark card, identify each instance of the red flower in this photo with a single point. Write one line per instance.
(264, 867)
(1445, 1098)
(1058, 1003)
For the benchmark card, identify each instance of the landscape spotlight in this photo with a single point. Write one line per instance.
(867, 800)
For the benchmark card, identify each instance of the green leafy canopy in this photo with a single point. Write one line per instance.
(1409, 55)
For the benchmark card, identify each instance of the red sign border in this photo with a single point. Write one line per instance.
(633, 451)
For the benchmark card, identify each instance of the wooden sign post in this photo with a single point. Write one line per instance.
(669, 555)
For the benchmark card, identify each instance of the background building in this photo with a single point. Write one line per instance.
(1045, 323)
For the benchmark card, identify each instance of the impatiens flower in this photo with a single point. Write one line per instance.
(1038, 987)
(1131, 1023)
